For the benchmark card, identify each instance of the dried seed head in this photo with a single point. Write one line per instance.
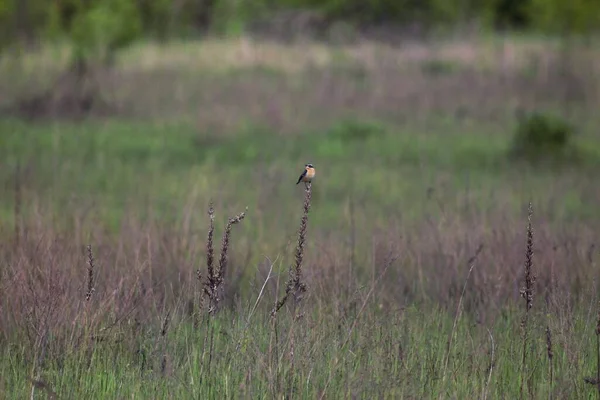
(549, 343)
(527, 291)
(216, 278)
(294, 285)
(598, 323)
(90, 273)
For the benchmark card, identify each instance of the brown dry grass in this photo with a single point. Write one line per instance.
(146, 275)
(150, 265)
(225, 83)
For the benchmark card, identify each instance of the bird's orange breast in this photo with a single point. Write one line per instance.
(310, 173)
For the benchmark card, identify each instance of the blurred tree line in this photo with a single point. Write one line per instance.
(96, 29)
(112, 23)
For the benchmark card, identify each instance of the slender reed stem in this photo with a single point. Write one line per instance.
(550, 353)
(598, 352)
(491, 368)
(17, 205)
(472, 262)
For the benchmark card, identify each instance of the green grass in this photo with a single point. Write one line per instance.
(380, 166)
(392, 354)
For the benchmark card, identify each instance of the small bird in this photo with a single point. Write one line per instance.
(308, 174)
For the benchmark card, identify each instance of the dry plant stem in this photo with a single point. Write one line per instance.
(349, 335)
(211, 279)
(472, 262)
(260, 295)
(527, 294)
(216, 279)
(352, 247)
(205, 338)
(209, 241)
(197, 304)
(550, 353)
(41, 347)
(90, 274)
(208, 336)
(292, 362)
(17, 209)
(294, 285)
(276, 356)
(274, 352)
(220, 274)
(45, 387)
(211, 282)
(489, 378)
(598, 351)
(163, 334)
(211, 332)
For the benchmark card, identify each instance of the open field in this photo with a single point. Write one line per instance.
(413, 177)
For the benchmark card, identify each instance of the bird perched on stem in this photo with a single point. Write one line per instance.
(307, 175)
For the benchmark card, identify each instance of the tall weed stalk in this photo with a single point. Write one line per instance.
(527, 292)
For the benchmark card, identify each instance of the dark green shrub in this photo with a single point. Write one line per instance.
(565, 17)
(540, 135)
(110, 24)
(353, 130)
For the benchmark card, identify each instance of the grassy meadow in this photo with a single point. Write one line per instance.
(416, 246)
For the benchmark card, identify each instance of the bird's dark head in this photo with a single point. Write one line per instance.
(309, 165)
